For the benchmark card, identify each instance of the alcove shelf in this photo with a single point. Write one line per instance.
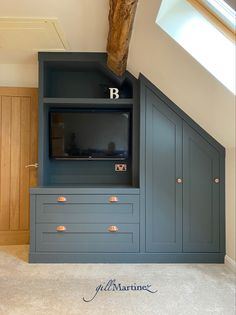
(81, 81)
(102, 101)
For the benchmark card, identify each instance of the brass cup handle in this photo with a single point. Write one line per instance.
(60, 228)
(113, 228)
(113, 199)
(61, 199)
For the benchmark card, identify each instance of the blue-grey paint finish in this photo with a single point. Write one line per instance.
(88, 172)
(142, 167)
(107, 190)
(150, 86)
(32, 222)
(201, 195)
(87, 238)
(41, 143)
(78, 80)
(90, 102)
(222, 201)
(146, 85)
(63, 58)
(58, 257)
(87, 209)
(163, 167)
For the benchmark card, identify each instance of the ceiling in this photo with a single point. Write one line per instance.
(84, 24)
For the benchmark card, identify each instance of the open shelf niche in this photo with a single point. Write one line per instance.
(82, 81)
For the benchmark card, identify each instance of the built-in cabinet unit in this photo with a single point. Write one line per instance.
(161, 201)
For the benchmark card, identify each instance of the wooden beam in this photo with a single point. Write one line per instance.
(121, 18)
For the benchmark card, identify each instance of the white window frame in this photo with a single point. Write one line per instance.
(211, 12)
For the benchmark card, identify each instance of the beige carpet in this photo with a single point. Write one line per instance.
(185, 289)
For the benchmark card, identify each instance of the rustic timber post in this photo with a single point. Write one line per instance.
(121, 18)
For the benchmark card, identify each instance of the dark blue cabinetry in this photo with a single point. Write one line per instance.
(87, 238)
(163, 169)
(79, 82)
(168, 206)
(183, 188)
(201, 194)
(79, 221)
(91, 208)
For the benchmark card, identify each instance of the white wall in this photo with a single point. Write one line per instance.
(191, 87)
(20, 75)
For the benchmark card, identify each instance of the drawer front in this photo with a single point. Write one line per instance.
(87, 238)
(87, 208)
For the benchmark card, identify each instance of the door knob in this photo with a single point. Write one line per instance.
(32, 165)
(179, 180)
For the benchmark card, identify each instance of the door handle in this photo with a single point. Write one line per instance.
(35, 165)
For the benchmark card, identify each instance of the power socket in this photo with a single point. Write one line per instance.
(120, 167)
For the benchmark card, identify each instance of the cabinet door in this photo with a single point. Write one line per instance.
(163, 167)
(200, 194)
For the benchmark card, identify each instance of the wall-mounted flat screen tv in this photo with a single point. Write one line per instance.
(91, 134)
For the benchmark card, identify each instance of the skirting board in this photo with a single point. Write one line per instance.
(59, 257)
(230, 263)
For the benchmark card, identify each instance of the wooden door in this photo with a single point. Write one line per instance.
(163, 168)
(201, 194)
(18, 148)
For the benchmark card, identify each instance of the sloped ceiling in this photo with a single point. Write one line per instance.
(180, 76)
(152, 52)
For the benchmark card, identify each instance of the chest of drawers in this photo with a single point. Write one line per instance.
(83, 223)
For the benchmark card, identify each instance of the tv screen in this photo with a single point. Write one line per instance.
(90, 134)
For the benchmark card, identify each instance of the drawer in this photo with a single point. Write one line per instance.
(87, 238)
(87, 209)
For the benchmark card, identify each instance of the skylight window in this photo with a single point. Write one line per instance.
(219, 13)
(200, 37)
(222, 11)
